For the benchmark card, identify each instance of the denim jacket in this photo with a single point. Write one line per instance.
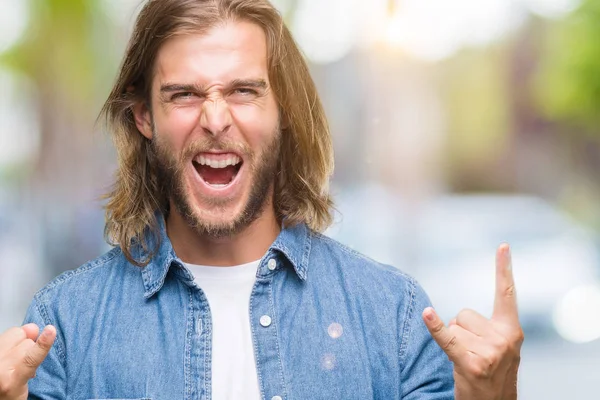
(327, 323)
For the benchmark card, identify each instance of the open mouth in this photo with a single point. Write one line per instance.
(217, 170)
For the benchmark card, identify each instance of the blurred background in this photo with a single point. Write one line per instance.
(458, 125)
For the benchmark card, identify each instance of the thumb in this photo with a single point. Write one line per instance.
(38, 352)
(440, 333)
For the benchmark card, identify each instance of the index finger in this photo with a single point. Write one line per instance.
(31, 330)
(505, 302)
(442, 335)
(13, 336)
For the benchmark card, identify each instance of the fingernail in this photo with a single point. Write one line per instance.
(48, 329)
(430, 314)
(509, 257)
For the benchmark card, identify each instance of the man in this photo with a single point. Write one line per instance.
(220, 285)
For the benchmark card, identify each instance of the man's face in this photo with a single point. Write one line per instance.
(215, 127)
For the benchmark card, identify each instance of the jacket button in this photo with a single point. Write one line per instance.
(272, 264)
(276, 398)
(265, 320)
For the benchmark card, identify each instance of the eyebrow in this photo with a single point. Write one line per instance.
(191, 87)
(252, 83)
(179, 87)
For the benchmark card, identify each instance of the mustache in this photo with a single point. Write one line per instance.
(215, 144)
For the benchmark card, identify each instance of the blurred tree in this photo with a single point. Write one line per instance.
(68, 53)
(475, 89)
(568, 84)
(567, 92)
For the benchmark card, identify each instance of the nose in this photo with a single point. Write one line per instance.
(216, 116)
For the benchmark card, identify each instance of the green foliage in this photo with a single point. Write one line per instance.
(567, 87)
(63, 49)
(475, 92)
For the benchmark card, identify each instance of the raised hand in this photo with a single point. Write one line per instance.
(485, 352)
(20, 355)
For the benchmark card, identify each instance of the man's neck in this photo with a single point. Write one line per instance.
(246, 246)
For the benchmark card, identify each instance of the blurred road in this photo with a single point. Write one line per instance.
(553, 369)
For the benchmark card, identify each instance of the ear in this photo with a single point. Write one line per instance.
(143, 119)
(284, 120)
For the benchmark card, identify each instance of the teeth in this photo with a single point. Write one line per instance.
(218, 185)
(231, 160)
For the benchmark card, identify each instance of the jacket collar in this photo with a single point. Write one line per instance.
(294, 243)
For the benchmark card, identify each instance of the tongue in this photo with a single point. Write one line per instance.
(216, 176)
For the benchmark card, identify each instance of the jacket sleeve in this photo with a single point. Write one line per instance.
(50, 380)
(426, 372)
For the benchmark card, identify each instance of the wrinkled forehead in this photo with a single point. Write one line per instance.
(230, 50)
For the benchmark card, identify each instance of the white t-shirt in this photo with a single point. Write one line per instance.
(228, 292)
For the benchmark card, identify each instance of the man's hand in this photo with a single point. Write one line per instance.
(20, 355)
(485, 352)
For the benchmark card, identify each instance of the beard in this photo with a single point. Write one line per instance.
(261, 169)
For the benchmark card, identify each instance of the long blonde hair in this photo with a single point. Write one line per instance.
(301, 192)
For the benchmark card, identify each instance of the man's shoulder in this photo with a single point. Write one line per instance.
(93, 271)
(358, 266)
(373, 288)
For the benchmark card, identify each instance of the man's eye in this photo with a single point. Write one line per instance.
(183, 95)
(245, 91)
